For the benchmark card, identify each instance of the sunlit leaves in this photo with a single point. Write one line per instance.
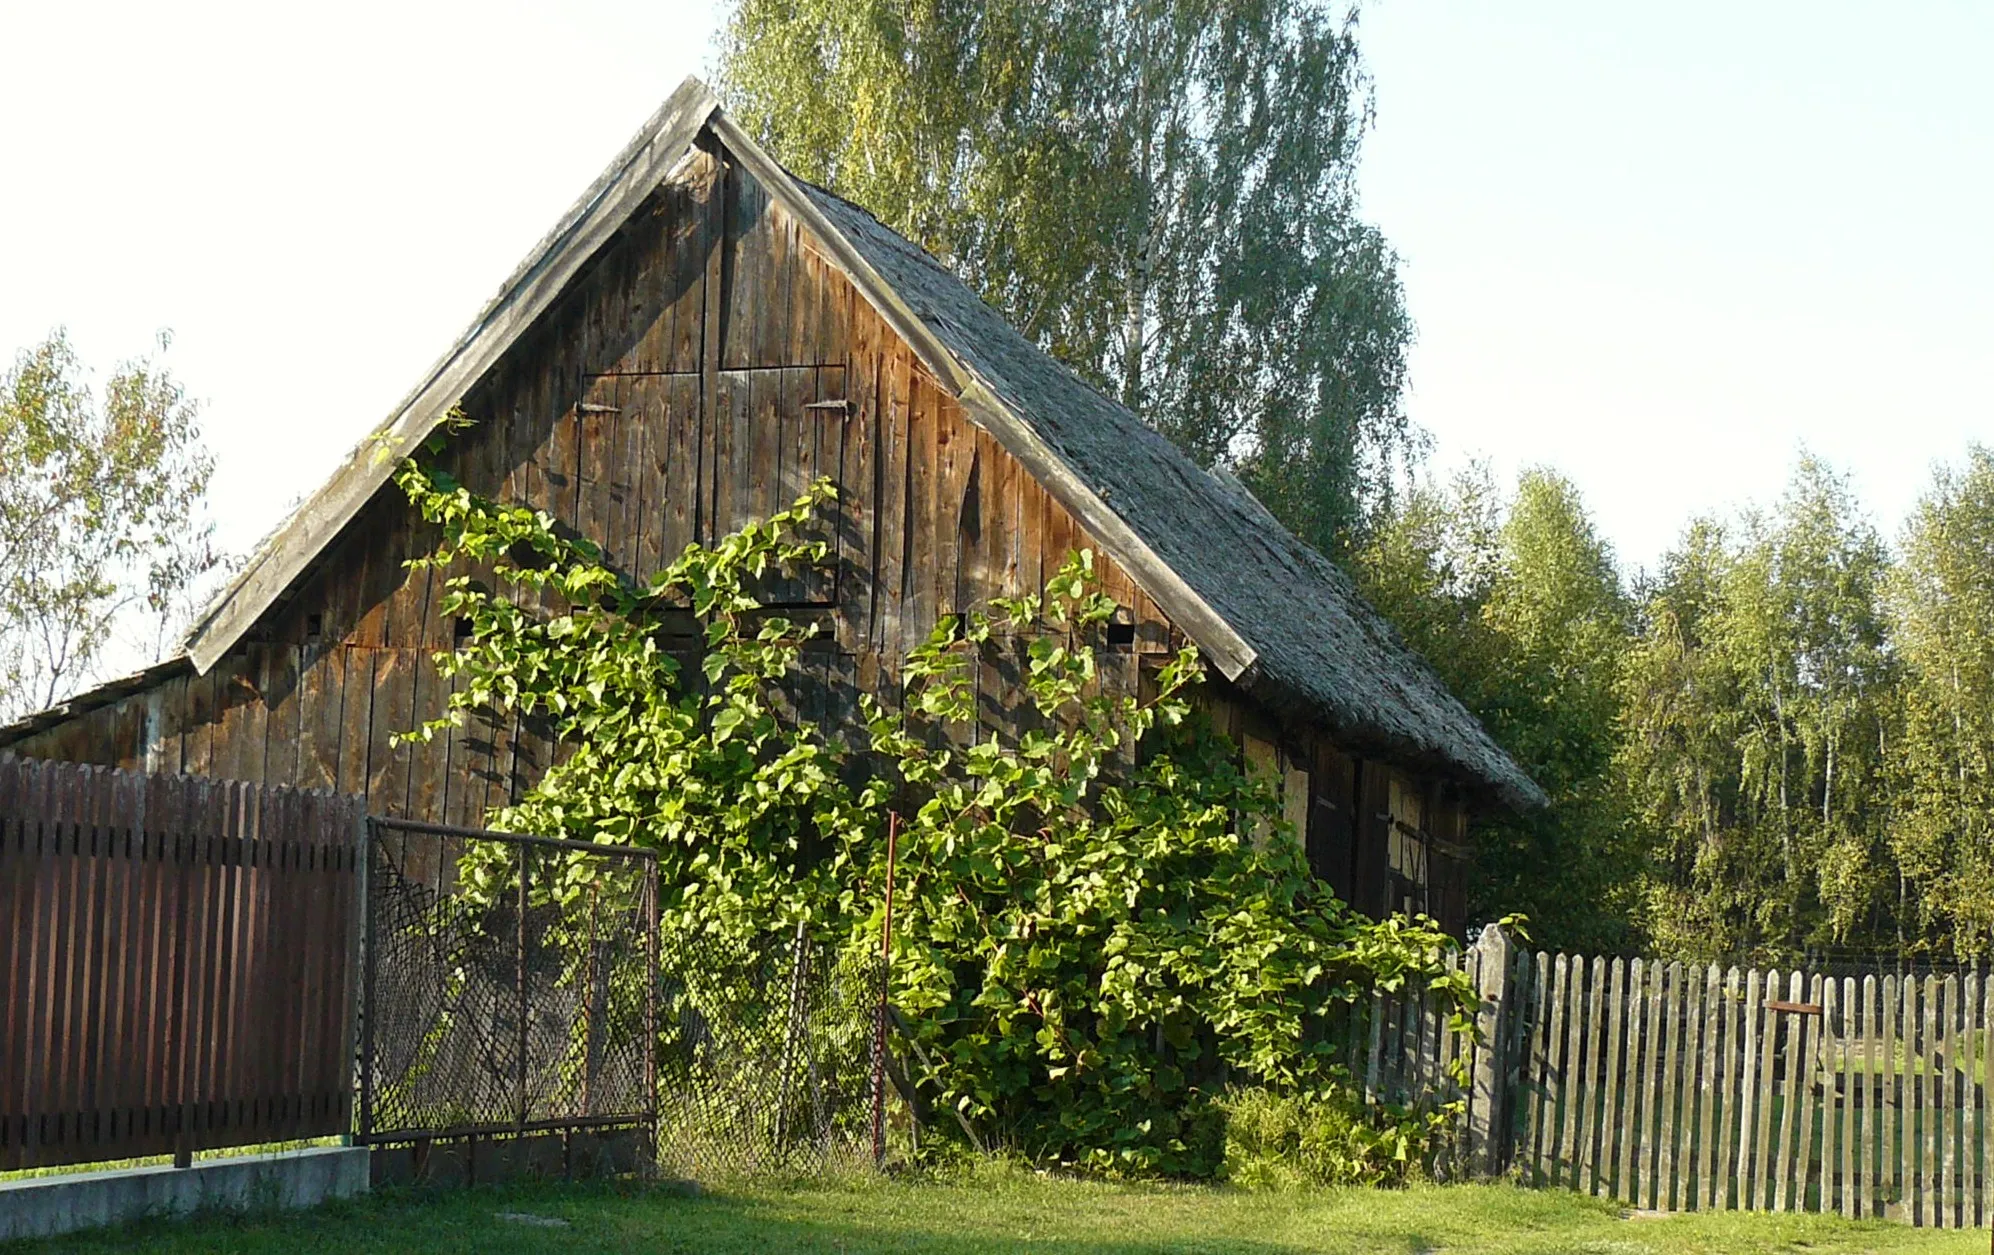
(101, 526)
(1071, 886)
(1161, 195)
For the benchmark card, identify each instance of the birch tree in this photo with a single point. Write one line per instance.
(102, 528)
(1158, 192)
(1942, 602)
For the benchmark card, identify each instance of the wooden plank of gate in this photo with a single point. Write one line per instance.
(1695, 1083)
(1816, 1184)
(1646, 1187)
(174, 923)
(1913, 1172)
(1730, 1165)
(1675, 1088)
(1946, 1045)
(1865, 1095)
(1918, 1034)
(1850, 1032)
(1556, 1096)
(1889, 1172)
(1835, 1098)
(1794, 1141)
(1964, 1072)
(1748, 1090)
(1541, 1040)
(1709, 1090)
(1630, 1080)
(1762, 1089)
(1594, 1079)
(1675, 1006)
(1983, 1080)
(234, 1011)
(1806, 1197)
(1939, 1052)
(1615, 1078)
(1578, 1080)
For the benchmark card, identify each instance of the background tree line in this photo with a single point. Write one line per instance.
(1777, 743)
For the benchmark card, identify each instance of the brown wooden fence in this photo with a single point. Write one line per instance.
(177, 963)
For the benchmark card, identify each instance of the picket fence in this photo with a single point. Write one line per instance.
(1675, 1087)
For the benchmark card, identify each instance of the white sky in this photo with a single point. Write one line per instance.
(1658, 246)
(1657, 252)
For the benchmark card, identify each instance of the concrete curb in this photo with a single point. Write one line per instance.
(42, 1206)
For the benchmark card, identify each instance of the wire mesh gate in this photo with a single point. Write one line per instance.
(509, 985)
(770, 1056)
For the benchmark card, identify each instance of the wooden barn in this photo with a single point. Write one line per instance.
(699, 337)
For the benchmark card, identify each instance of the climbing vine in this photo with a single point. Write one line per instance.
(1102, 919)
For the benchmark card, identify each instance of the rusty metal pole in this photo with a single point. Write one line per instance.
(885, 972)
(651, 1008)
(525, 856)
(369, 963)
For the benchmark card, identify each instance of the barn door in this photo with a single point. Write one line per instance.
(775, 431)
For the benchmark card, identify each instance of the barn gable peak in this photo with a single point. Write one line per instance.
(1267, 611)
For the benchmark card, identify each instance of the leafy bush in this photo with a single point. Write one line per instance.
(1101, 917)
(1325, 1138)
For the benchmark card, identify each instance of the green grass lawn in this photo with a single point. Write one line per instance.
(1001, 1210)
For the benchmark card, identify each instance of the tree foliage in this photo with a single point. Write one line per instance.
(1941, 598)
(1086, 945)
(1518, 603)
(1775, 746)
(101, 520)
(1759, 705)
(1159, 192)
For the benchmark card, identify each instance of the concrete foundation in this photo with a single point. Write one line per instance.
(40, 1206)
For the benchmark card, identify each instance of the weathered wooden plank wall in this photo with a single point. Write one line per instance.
(708, 365)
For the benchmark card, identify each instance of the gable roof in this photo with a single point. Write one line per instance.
(1267, 610)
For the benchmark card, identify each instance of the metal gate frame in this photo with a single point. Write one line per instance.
(365, 1132)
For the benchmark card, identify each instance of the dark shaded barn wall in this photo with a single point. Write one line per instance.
(708, 366)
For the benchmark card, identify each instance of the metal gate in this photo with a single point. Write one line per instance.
(509, 985)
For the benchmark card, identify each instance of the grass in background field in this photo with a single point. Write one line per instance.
(1002, 1210)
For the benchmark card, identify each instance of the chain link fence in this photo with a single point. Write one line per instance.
(509, 985)
(768, 1056)
(517, 985)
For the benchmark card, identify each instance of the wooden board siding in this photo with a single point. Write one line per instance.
(706, 366)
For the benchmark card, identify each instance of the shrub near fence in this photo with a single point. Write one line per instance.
(177, 963)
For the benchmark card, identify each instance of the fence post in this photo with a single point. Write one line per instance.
(1488, 1125)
